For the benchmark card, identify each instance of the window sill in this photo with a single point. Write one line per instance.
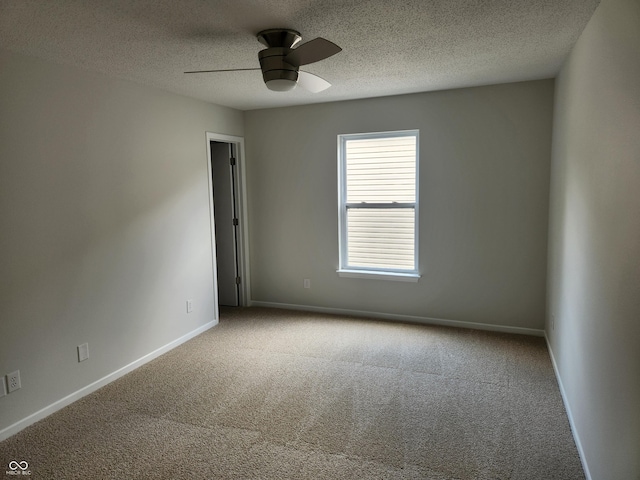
(379, 275)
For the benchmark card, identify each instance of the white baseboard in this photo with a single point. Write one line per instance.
(403, 318)
(63, 402)
(567, 407)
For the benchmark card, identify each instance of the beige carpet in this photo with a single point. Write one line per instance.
(274, 394)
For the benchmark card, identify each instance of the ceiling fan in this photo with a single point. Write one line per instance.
(280, 62)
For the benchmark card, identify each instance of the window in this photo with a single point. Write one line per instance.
(378, 202)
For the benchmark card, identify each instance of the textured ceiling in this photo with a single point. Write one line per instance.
(389, 47)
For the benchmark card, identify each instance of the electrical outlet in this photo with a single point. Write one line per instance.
(83, 352)
(307, 283)
(3, 388)
(13, 381)
(189, 306)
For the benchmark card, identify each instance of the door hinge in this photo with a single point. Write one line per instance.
(237, 280)
(235, 222)
(232, 161)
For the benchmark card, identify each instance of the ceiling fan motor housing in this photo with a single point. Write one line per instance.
(278, 75)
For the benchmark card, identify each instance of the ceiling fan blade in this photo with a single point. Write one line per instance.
(224, 70)
(312, 51)
(312, 82)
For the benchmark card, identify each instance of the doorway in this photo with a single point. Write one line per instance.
(228, 221)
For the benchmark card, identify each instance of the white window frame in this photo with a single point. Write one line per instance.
(345, 270)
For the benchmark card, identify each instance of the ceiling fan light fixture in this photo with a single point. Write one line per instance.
(281, 80)
(281, 84)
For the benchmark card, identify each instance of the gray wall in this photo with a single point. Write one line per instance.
(484, 180)
(105, 225)
(594, 240)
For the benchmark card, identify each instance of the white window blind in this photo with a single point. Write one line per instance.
(378, 201)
